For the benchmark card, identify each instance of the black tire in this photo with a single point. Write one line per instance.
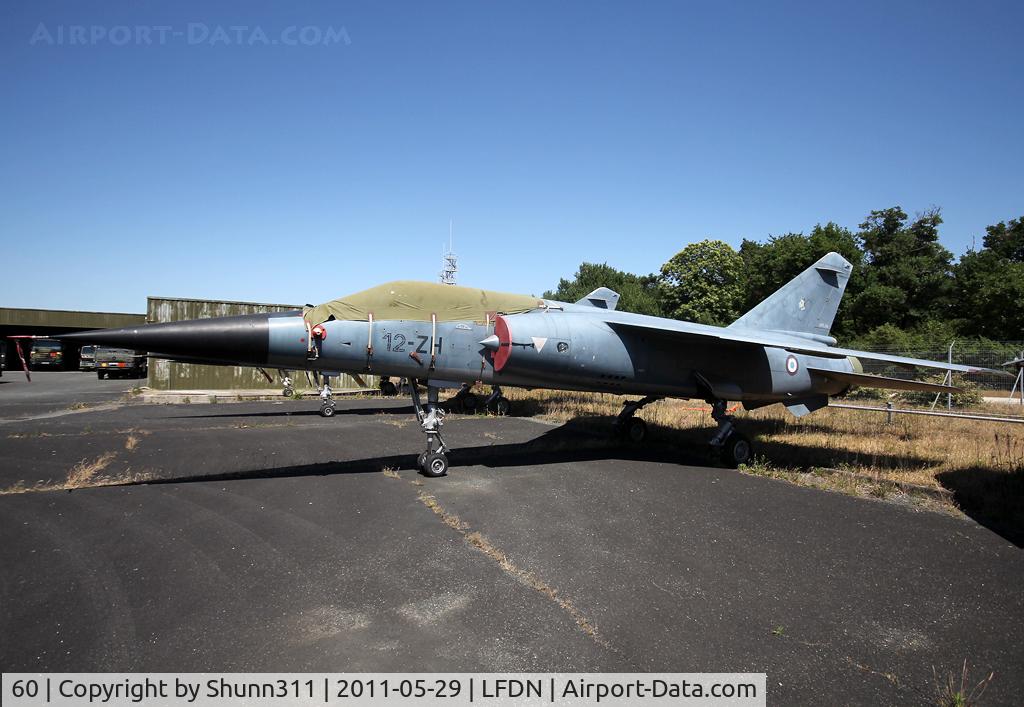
(500, 406)
(435, 465)
(470, 402)
(421, 460)
(288, 392)
(737, 450)
(634, 430)
(388, 389)
(326, 410)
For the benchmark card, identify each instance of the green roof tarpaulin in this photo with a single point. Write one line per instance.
(417, 301)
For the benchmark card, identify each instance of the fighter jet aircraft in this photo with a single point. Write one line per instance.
(445, 336)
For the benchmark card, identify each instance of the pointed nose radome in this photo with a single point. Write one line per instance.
(491, 342)
(243, 339)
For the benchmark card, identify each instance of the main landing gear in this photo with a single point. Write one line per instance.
(629, 427)
(732, 447)
(464, 401)
(469, 402)
(387, 388)
(433, 462)
(497, 404)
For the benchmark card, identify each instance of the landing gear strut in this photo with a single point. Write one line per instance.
(631, 428)
(387, 388)
(497, 403)
(732, 447)
(288, 389)
(463, 401)
(433, 462)
(326, 398)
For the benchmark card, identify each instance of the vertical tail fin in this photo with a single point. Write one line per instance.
(807, 304)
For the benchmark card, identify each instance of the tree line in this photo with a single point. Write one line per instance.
(907, 292)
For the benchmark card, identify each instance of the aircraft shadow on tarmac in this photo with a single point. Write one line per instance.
(338, 412)
(581, 439)
(995, 499)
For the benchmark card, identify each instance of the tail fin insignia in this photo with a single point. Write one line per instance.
(807, 304)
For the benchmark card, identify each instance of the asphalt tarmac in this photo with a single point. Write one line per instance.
(270, 539)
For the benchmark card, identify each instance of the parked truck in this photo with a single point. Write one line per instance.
(120, 363)
(87, 359)
(46, 353)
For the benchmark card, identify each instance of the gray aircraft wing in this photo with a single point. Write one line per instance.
(872, 381)
(695, 332)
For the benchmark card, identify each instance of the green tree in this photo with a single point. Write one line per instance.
(771, 265)
(637, 294)
(990, 284)
(704, 282)
(907, 279)
(1006, 240)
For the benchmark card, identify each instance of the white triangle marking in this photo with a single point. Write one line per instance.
(538, 342)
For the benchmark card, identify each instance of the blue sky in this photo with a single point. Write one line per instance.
(272, 167)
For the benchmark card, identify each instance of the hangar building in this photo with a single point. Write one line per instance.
(163, 375)
(47, 322)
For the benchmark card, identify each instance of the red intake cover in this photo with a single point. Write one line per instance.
(504, 343)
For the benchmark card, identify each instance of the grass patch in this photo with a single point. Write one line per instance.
(82, 473)
(132, 441)
(956, 689)
(85, 474)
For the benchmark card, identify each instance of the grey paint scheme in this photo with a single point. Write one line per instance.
(597, 358)
(766, 356)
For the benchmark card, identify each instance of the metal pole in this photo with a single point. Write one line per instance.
(888, 412)
(949, 377)
(1020, 382)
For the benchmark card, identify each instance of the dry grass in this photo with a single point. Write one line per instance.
(912, 449)
(85, 474)
(956, 689)
(390, 473)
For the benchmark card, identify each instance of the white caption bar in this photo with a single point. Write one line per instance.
(304, 689)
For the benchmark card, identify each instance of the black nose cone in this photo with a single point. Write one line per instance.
(242, 339)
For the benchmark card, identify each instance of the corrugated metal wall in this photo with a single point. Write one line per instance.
(168, 375)
(27, 318)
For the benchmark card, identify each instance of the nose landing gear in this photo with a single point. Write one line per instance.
(433, 462)
(326, 399)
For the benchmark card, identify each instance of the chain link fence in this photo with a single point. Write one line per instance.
(978, 387)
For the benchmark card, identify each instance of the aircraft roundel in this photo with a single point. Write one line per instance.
(792, 365)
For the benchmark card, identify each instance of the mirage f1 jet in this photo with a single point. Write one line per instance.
(445, 336)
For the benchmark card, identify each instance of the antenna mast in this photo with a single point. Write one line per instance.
(449, 266)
